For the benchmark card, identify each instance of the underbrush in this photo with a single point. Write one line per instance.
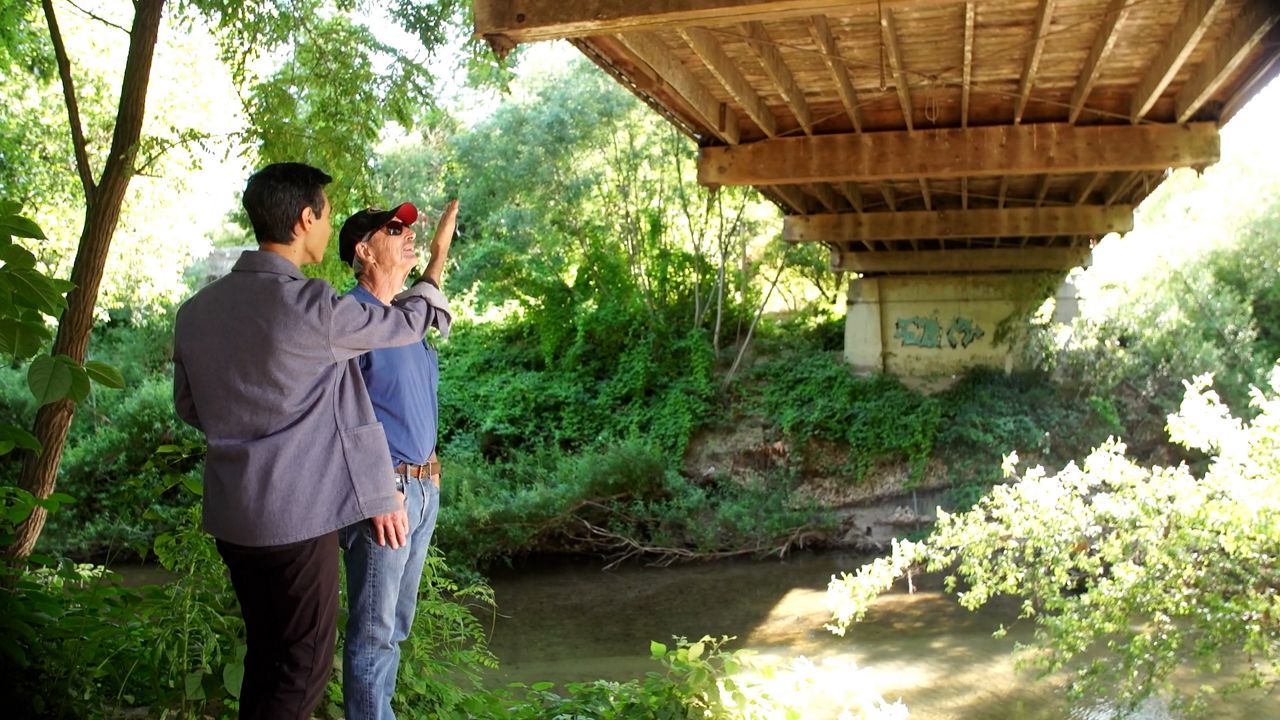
(809, 394)
(618, 502)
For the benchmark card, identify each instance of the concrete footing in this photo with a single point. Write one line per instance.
(933, 327)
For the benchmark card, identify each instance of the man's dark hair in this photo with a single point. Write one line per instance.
(276, 195)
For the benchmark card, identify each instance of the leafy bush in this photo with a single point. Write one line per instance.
(511, 389)
(1130, 573)
(123, 500)
(816, 395)
(1206, 302)
(618, 501)
(988, 413)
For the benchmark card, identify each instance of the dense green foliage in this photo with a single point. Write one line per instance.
(1130, 573)
(809, 393)
(1208, 304)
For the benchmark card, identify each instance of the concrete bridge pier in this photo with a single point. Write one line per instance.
(929, 328)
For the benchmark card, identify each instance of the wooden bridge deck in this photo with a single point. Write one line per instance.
(930, 135)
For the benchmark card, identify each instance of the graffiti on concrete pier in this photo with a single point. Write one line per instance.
(926, 332)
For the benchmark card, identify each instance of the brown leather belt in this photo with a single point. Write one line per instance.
(419, 472)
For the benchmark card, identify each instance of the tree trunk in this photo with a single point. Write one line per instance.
(102, 214)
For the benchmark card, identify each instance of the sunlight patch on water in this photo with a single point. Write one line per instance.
(830, 688)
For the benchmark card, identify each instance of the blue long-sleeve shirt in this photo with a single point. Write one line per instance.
(402, 384)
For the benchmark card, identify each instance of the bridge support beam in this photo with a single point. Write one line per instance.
(929, 329)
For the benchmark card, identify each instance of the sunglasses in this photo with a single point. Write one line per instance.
(394, 228)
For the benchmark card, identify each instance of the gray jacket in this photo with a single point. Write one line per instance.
(265, 365)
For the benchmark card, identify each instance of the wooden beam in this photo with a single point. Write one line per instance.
(957, 152)
(970, 19)
(1192, 25)
(1090, 220)
(889, 30)
(826, 42)
(1044, 17)
(1043, 190)
(706, 46)
(1041, 193)
(1248, 31)
(825, 195)
(1117, 14)
(522, 21)
(1082, 195)
(1257, 79)
(964, 193)
(791, 196)
(961, 260)
(715, 115)
(1004, 189)
(1118, 185)
(763, 47)
(889, 198)
(851, 193)
(924, 193)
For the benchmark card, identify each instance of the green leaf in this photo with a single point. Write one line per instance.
(37, 291)
(48, 379)
(194, 485)
(16, 256)
(695, 650)
(18, 226)
(79, 379)
(19, 437)
(194, 687)
(657, 650)
(22, 338)
(232, 677)
(104, 374)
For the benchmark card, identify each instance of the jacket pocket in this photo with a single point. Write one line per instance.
(369, 463)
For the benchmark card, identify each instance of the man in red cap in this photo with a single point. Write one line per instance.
(385, 559)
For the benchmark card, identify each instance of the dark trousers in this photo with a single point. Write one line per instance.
(289, 598)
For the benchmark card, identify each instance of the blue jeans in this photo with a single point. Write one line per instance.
(382, 595)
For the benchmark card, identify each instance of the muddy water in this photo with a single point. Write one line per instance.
(572, 622)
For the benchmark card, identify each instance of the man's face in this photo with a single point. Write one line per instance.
(391, 247)
(317, 237)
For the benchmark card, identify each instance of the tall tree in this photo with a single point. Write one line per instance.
(103, 196)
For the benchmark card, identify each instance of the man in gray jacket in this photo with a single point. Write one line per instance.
(265, 366)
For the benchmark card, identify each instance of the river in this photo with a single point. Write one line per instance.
(570, 621)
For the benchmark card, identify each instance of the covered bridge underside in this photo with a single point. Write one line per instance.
(930, 136)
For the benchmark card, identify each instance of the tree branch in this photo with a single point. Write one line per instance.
(73, 108)
(99, 18)
(728, 378)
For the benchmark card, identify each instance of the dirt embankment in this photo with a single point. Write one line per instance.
(881, 505)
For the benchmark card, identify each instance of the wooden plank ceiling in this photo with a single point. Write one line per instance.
(902, 132)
